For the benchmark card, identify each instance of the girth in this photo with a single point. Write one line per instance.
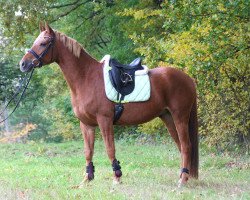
(122, 77)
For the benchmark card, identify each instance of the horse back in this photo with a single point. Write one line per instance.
(171, 89)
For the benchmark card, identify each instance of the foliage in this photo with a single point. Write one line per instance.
(19, 136)
(155, 127)
(57, 105)
(54, 115)
(207, 39)
(9, 76)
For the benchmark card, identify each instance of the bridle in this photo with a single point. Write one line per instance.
(40, 57)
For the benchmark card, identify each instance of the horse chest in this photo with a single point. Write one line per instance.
(83, 109)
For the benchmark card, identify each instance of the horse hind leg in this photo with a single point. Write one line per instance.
(167, 119)
(181, 122)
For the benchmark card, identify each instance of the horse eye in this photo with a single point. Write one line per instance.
(43, 44)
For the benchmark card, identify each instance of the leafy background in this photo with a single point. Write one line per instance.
(207, 39)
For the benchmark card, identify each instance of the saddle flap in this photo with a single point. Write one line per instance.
(141, 91)
(114, 75)
(122, 81)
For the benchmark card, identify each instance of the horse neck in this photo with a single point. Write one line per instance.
(76, 70)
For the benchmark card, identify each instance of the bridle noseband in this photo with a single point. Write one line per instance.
(40, 57)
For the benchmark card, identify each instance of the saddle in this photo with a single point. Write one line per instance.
(122, 77)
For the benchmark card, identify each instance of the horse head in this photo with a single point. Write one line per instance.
(41, 52)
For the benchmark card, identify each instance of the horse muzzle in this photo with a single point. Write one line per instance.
(26, 66)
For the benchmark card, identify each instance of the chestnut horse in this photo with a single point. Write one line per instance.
(173, 99)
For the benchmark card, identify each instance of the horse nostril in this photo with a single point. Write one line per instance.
(22, 65)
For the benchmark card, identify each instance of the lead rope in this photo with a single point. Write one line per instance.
(16, 93)
(19, 100)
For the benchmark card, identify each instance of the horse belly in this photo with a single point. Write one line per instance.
(138, 113)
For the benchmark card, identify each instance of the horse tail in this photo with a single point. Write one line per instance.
(193, 135)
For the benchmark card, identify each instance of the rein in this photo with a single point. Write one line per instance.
(16, 93)
(38, 64)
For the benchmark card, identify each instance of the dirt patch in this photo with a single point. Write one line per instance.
(239, 165)
(7, 193)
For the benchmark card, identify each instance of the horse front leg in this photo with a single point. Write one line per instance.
(107, 130)
(88, 133)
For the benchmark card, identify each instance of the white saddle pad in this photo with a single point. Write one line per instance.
(142, 85)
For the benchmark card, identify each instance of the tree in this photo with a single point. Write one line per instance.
(208, 40)
(92, 27)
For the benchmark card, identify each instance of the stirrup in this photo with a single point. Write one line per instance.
(125, 78)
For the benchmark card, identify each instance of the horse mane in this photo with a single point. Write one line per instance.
(72, 45)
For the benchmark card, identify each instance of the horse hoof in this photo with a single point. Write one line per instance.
(81, 185)
(88, 178)
(180, 184)
(117, 181)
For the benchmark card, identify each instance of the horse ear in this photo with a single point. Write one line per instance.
(41, 27)
(47, 28)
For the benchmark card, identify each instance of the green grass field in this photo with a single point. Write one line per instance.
(51, 171)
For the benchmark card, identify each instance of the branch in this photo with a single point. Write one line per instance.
(91, 16)
(88, 18)
(71, 10)
(63, 5)
(103, 41)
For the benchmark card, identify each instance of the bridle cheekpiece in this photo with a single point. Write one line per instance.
(40, 57)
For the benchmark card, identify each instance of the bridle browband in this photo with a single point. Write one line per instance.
(40, 57)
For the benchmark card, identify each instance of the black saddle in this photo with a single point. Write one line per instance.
(135, 64)
(122, 77)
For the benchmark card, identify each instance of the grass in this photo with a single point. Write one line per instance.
(50, 171)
